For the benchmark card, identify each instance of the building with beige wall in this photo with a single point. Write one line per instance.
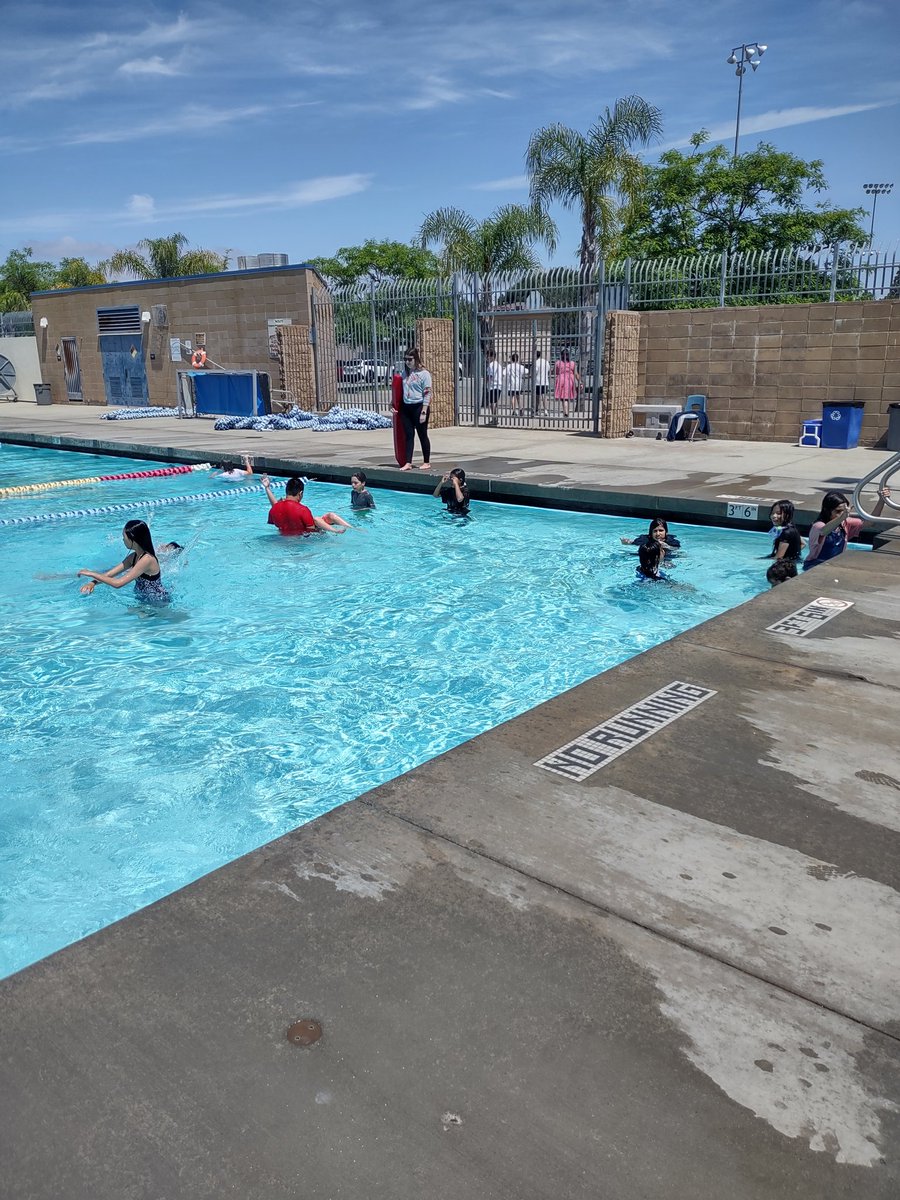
(124, 343)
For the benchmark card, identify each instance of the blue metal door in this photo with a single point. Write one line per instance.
(124, 376)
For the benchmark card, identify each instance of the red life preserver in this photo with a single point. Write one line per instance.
(399, 433)
(198, 358)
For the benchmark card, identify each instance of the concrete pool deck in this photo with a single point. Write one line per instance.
(635, 476)
(678, 977)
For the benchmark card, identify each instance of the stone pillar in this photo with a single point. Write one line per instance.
(434, 339)
(298, 368)
(621, 339)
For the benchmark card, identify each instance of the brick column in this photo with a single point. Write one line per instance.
(434, 339)
(621, 339)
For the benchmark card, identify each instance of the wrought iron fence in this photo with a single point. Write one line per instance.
(529, 346)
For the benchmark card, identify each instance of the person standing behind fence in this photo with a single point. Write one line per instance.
(567, 381)
(514, 373)
(540, 373)
(494, 380)
(415, 408)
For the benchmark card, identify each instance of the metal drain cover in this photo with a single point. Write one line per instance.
(305, 1032)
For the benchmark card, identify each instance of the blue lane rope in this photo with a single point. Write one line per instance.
(130, 507)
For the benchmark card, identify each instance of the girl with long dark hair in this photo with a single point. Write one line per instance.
(834, 527)
(140, 567)
(788, 544)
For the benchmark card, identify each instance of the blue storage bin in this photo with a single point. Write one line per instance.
(841, 424)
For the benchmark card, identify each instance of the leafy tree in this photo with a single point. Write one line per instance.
(166, 258)
(77, 272)
(707, 201)
(597, 173)
(20, 275)
(380, 261)
(504, 241)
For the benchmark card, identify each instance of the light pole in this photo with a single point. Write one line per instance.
(749, 53)
(875, 190)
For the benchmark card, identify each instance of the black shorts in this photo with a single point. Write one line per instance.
(540, 389)
(493, 396)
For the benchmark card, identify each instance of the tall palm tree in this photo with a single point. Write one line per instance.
(504, 241)
(166, 258)
(595, 173)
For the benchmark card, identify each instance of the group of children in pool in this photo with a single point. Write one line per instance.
(828, 535)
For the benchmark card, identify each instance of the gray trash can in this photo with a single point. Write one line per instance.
(42, 393)
(893, 432)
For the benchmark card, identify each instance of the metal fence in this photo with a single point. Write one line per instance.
(16, 324)
(529, 346)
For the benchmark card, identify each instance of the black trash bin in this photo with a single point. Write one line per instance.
(42, 393)
(893, 434)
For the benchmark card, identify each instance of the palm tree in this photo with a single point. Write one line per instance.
(596, 173)
(166, 258)
(504, 241)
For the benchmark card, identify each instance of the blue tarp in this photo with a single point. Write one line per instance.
(226, 393)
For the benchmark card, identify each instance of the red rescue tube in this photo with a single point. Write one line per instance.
(399, 434)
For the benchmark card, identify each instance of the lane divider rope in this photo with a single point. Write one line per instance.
(134, 506)
(21, 489)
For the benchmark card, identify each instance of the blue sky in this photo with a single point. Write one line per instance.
(301, 127)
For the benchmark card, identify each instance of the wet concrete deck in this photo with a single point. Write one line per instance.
(678, 978)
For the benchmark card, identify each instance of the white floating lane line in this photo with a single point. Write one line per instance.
(810, 617)
(132, 506)
(590, 751)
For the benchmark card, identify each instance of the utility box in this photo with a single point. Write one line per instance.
(893, 431)
(42, 393)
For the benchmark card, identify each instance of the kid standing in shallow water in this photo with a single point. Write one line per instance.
(360, 497)
(788, 544)
(454, 491)
(834, 527)
(140, 567)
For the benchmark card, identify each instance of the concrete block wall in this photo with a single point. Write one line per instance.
(297, 365)
(765, 369)
(434, 338)
(621, 346)
(231, 310)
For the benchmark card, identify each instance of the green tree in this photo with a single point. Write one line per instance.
(596, 174)
(504, 241)
(380, 261)
(705, 200)
(20, 275)
(78, 272)
(166, 258)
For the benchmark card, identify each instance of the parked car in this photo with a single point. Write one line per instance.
(375, 368)
(352, 371)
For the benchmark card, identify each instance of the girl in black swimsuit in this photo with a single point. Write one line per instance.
(140, 567)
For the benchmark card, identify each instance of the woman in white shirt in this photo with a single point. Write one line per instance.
(415, 407)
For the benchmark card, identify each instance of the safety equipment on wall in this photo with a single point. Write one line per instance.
(198, 358)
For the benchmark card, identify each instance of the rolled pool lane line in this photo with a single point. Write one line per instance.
(133, 506)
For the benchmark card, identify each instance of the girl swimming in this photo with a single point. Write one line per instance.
(788, 544)
(834, 527)
(140, 567)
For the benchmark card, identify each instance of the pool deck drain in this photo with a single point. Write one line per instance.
(677, 978)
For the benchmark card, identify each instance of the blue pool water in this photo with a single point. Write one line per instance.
(145, 747)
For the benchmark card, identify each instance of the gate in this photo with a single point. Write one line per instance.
(71, 368)
(527, 346)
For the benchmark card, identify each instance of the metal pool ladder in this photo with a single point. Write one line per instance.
(882, 474)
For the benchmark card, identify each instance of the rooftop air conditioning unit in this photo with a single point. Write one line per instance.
(252, 262)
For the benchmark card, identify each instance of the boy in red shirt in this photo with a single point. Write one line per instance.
(291, 516)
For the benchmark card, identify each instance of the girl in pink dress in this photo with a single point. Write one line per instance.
(567, 381)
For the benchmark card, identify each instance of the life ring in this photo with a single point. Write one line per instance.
(198, 358)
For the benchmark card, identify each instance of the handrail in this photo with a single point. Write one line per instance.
(886, 471)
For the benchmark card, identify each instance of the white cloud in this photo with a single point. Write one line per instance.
(781, 119)
(512, 183)
(155, 65)
(141, 206)
(192, 119)
(70, 247)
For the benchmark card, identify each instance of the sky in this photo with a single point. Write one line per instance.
(300, 127)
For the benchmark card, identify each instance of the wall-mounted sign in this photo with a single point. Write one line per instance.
(175, 349)
(200, 339)
(741, 512)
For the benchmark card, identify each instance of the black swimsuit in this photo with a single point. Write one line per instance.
(148, 587)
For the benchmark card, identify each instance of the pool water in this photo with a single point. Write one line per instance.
(145, 747)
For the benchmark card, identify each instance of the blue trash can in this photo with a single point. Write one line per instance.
(841, 424)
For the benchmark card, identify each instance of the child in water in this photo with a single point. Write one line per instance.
(650, 559)
(140, 567)
(454, 491)
(781, 571)
(360, 496)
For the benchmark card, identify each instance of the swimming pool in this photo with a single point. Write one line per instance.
(146, 747)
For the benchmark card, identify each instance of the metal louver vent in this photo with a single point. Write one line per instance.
(119, 320)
